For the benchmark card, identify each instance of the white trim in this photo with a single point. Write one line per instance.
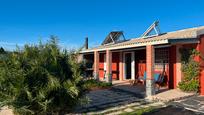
(139, 48)
(130, 45)
(133, 49)
(124, 72)
(132, 65)
(104, 65)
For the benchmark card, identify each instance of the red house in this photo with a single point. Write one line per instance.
(120, 59)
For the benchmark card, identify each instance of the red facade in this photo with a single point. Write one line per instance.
(201, 48)
(143, 62)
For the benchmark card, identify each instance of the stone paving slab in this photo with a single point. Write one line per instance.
(116, 113)
(127, 109)
(194, 103)
(6, 111)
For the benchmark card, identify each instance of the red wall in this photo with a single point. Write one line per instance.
(115, 65)
(201, 48)
(172, 68)
(101, 65)
(140, 62)
(172, 64)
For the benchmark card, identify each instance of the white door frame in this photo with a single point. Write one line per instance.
(132, 65)
(104, 67)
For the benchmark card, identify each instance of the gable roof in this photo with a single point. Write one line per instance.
(171, 37)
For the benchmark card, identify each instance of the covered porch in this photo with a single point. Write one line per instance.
(125, 65)
(130, 64)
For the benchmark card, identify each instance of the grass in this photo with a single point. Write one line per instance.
(94, 84)
(139, 111)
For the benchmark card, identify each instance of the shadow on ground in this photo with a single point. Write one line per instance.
(116, 96)
(172, 110)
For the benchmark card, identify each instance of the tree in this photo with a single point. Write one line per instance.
(41, 79)
(2, 50)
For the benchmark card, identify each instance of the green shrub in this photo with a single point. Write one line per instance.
(190, 69)
(41, 79)
(90, 84)
(192, 85)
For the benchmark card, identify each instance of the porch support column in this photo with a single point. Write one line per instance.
(108, 66)
(96, 65)
(150, 87)
(178, 65)
(121, 66)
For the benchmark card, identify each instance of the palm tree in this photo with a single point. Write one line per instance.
(41, 79)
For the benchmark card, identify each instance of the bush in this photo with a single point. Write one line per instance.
(190, 69)
(41, 79)
(94, 84)
(192, 85)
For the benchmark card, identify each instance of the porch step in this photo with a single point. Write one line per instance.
(118, 83)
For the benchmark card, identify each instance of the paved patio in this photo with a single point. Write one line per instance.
(123, 97)
(115, 101)
(163, 94)
(103, 99)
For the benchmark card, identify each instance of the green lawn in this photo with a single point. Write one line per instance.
(139, 111)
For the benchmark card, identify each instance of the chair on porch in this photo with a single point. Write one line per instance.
(158, 78)
(163, 75)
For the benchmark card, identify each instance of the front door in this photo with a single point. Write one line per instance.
(128, 66)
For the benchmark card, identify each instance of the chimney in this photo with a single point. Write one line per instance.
(86, 43)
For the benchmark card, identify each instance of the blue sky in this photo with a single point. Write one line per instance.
(27, 21)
